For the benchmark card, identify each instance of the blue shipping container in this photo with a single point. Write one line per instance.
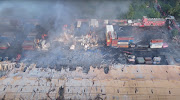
(123, 41)
(131, 41)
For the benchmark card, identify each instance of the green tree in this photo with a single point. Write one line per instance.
(131, 12)
(174, 32)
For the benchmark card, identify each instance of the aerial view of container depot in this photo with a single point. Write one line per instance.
(90, 49)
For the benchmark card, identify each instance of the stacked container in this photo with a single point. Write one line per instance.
(131, 58)
(114, 43)
(158, 43)
(156, 60)
(148, 60)
(140, 60)
(123, 42)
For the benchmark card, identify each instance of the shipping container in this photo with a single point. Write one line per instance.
(1, 59)
(157, 41)
(131, 56)
(131, 41)
(28, 45)
(94, 23)
(8, 35)
(148, 59)
(156, 62)
(114, 41)
(78, 24)
(140, 60)
(148, 62)
(132, 45)
(165, 45)
(108, 43)
(125, 38)
(106, 22)
(142, 46)
(4, 45)
(158, 47)
(114, 45)
(157, 59)
(113, 23)
(123, 46)
(123, 43)
(131, 60)
(157, 44)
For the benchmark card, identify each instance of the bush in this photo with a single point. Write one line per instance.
(174, 32)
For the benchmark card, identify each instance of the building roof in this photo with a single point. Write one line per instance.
(94, 23)
(137, 82)
(154, 19)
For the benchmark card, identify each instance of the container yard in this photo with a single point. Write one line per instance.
(62, 50)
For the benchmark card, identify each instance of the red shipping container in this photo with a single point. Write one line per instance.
(157, 41)
(114, 45)
(108, 43)
(125, 38)
(114, 41)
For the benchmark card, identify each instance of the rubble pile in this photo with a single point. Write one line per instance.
(89, 42)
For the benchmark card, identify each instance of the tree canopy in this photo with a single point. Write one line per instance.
(140, 8)
(171, 7)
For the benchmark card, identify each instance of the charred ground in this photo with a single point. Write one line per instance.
(59, 54)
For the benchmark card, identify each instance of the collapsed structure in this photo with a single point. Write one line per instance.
(90, 35)
(121, 82)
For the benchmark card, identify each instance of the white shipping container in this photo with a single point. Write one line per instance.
(109, 28)
(155, 46)
(79, 24)
(106, 22)
(131, 60)
(123, 42)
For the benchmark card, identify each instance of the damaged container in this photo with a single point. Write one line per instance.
(165, 45)
(4, 46)
(148, 62)
(28, 45)
(132, 45)
(156, 60)
(131, 60)
(140, 60)
(148, 59)
(142, 46)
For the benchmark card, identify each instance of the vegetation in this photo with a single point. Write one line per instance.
(174, 32)
(171, 7)
(119, 9)
(140, 8)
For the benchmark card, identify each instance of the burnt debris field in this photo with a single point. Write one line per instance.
(62, 35)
